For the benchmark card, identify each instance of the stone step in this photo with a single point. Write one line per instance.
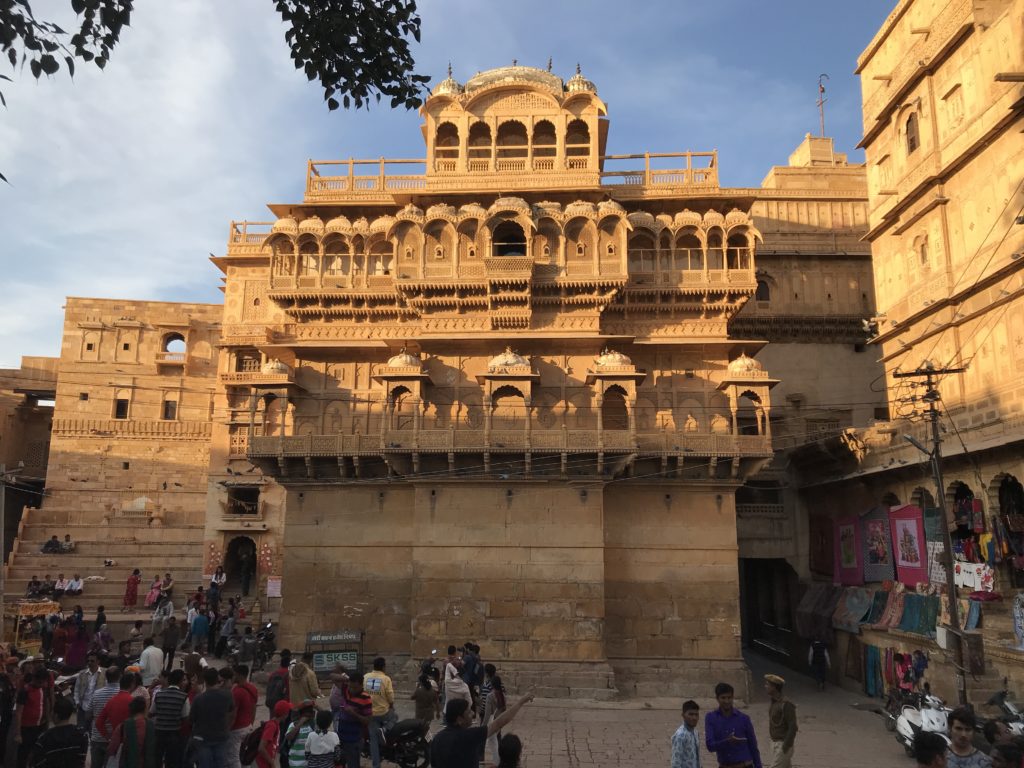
(100, 534)
(125, 555)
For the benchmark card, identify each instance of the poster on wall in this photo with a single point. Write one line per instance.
(909, 544)
(848, 569)
(273, 586)
(877, 548)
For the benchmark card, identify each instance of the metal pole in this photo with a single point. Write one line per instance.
(932, 396)
(954, 606)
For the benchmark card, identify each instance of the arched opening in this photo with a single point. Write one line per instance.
(923, 498)
(174, 346)
(479, 145)
(283, 260)
(337, 262)
(961, 498)
(508, 240)
(890, 500)
(240, 566)
(738, 254)
(508, 409)
(640, 253)
(446, 146)
(763, 292)
(512, 141)
(922, 252)
(1011, 496)
(544, 139)
(913, 132)
(309, 263)
(689, 254)
(614, 411)
(749, 414)
(274, 408)
(403, 410)
(577, 139)
(381, 256)
(716, 253)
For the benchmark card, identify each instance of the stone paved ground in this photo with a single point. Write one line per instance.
(558, 734)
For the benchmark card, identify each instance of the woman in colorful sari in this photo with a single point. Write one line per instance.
(134, 741)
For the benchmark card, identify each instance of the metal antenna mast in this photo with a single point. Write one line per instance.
(821, 101)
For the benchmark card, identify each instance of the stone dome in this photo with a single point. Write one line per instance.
(286, 224)
(507, 359)
(745, 366)
(273, 366)
(449, 86)
(610, 357)
(579, 84)
(405, 359)
(313, 224)
(515, 74)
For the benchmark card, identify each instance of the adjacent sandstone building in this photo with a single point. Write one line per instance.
(943, 106)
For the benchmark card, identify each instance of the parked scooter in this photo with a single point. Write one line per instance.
(266, 645)
(932, 717)
(1012, 716)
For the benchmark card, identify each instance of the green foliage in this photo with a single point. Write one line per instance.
(357, 49)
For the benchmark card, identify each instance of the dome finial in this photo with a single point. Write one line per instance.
(550, 63)
(515, 62)
(449, 69)
(578, 72)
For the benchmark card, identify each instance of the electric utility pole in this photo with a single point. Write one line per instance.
(930, 373)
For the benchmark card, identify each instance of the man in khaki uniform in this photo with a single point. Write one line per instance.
(781, 722)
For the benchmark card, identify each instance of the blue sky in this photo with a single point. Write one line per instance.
(123, 181)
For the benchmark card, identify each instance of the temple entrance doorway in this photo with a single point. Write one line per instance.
(240, 566)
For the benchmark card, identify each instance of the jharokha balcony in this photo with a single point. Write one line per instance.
(506, 452)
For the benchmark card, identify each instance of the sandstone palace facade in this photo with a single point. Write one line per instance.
(507, 393)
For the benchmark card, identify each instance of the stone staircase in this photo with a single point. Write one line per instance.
(130, 544)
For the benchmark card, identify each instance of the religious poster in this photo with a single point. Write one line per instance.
(908, 544)
(848, 568)
(877, 548)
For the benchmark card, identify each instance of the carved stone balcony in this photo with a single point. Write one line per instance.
(257, 379)
(511, 440)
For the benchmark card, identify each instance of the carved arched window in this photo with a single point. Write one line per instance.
(577, 139)
(479, 141)
(913, 133)
(544, 139)
(508, 240)
(764, 291)
(512, 139)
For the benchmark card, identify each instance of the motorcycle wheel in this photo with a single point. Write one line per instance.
(417, 756)
(909, 750)
(890, 724)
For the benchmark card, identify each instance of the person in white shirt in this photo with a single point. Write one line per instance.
(75, 586)
(151, 662)
(60, 586)
(86, 683)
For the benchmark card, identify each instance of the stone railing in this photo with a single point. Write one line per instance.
(763, 522)
(498, 440)
(142, 428)
(256, 378)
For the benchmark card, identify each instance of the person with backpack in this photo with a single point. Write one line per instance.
(260, 747)
(277, 682)
(63, 746)
(246, 697)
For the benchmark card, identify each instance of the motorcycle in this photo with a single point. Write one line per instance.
(1012, 716)
(266, 645)
(931, 716)
(895, 700)
(404, 743)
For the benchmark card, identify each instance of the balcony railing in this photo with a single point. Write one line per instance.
(503, 440)
(256, 378)
(377, 179)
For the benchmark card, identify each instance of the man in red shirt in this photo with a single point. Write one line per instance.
(115, 711)
(270, 739)
(245, 695)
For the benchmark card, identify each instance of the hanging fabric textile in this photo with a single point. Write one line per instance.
(909, 544)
